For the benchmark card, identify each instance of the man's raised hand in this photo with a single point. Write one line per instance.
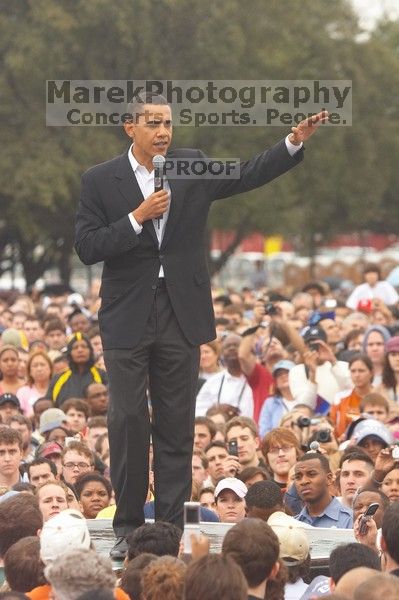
(307, 127)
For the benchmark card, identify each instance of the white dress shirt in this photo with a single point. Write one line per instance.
(145, 180)
(224, 388)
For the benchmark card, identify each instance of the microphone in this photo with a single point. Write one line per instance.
(158, 163)
(314, 447)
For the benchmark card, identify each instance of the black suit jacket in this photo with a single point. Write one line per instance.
(131, 262)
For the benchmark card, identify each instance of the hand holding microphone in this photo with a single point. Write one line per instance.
(158, 162)
(155, 205)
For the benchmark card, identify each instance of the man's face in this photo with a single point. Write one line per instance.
(207, 500)
(97, 345)
(258, 477)
(198, 471)
(39, 474)
(332, 330)
(52, 500)
(58, 435)
(311, 481)
(273, 350)
(10, 458)
(55, 339)
(24, 431)
(79, 322)
(152, 133)
(281, 458)
(74, 465)
(7, 410)
(33, 330)
(18, 321)
(202, 436)
(216, 458)
(371, 278)
(230, 347)
(94, 434)
(247, 443)
(363, 500)
(76, 419)
(229, 507)
(377, 412)
(98, 398)
(354, 474)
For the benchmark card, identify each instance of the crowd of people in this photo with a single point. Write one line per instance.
(297, 426)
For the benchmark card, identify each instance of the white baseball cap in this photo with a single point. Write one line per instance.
(294, 545)
(231, 483)
(62, 533)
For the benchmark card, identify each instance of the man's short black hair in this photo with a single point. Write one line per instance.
(346, 557)
(135, 107)
(390, 530)
(264, 494)
(356, 454)
(42, 461)
(324, 462)
(154, 538)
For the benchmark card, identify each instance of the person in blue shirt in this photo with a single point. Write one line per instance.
(282, 401)
(313, 479)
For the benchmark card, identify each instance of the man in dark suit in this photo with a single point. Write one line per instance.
(156, 301)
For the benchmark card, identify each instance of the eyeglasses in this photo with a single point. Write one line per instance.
(78, 465)
(276, 449)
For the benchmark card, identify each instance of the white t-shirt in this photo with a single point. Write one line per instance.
(225, 388)
(382, 290)
(293, 591)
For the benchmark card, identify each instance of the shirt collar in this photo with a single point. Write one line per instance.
(136, 165)
(332, 511)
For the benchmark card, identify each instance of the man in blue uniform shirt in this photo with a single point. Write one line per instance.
(313, 479)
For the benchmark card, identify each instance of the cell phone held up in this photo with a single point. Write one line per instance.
(191, 523)
(370, 512)
(232, 447)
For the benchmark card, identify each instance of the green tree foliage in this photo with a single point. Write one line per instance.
(348, 181)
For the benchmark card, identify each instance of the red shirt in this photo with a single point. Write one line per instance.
(262, 385)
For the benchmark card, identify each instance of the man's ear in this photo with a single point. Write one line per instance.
(332, 584)
(330, 479)
(129, 129)
(383, 544)
(275, 570)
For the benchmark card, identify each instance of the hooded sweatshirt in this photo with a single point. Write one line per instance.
(71, 383)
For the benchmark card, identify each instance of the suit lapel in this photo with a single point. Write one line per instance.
(130, 190)
(177, 189)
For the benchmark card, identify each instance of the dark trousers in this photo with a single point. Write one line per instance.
(166, 363)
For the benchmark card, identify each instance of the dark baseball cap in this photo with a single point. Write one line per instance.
(8, 397)
(314, 333)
